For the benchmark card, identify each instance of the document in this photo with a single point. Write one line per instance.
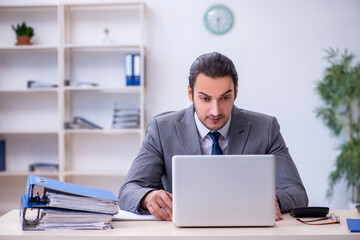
(123, 215)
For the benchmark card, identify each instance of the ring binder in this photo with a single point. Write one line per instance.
(51, 204)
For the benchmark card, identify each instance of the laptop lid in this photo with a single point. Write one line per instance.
(223, 190)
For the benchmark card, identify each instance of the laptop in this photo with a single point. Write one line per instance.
(223, 190)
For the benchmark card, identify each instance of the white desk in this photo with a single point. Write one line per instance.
(289, 228)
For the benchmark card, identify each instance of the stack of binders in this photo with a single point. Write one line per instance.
(126, 118)
(54, 205)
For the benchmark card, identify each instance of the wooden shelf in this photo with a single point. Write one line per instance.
(29, 47)
(26, 173)
(68, 44)
(103, 131)
(103, 47)
(8, 131)
(129, 89)
(96, 173)
(29, 90)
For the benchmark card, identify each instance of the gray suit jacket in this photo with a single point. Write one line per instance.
(176, 134)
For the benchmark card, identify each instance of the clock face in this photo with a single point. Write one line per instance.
(218, 19)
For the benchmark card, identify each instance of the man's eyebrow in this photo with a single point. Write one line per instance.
(230, 90)
(204, 94)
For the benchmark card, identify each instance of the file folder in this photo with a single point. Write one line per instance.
(136, 69)
(129, 69)
(353, 225)
(132, 69)
(34, 219)
(44, 192)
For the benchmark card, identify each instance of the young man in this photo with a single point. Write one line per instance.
(213, 87)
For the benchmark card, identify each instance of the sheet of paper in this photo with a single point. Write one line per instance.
(129, 216)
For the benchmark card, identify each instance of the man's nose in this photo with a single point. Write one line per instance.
(214, 110)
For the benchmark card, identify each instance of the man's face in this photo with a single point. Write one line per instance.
(213, 100)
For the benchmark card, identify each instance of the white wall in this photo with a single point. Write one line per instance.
(277, 47)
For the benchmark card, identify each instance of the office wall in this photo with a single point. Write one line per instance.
(278, 49)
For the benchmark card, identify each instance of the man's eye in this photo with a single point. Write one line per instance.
(205, 99)
(226, 98)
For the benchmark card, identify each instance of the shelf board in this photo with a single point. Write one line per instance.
(128, 47)
(29, 47)
(120, 173)
(119, 4)
(26, 173)
(104, 131)
(128, 89)
(4, 131)
(28, 90)
(96, 173)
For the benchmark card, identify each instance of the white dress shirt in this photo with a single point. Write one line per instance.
(206, 141)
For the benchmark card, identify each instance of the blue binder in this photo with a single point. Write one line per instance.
(38, 186)
(132, 69)
(136, 69)
(129, 69)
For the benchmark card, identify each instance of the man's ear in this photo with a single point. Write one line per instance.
(236, 90)
(190, 94)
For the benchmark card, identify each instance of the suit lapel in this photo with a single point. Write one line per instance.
(238, 132)
(188, 133)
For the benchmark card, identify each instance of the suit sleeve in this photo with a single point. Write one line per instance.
(145, 172)
(289, 187)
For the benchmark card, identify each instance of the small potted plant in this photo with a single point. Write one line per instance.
(23, 33)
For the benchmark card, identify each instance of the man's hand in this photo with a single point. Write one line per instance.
(278, 215)
(159, 204)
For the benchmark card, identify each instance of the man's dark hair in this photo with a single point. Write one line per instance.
(213, 65)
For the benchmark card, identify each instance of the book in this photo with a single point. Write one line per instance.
(2, 156)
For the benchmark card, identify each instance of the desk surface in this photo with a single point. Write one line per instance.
(288, 228)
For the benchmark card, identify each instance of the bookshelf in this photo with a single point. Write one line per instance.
(80, 43)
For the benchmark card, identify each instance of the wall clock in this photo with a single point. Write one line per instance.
(218, 19)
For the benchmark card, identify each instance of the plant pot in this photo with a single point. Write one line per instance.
(23, 40)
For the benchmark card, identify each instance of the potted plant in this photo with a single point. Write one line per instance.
(340, 93)
(23, 33)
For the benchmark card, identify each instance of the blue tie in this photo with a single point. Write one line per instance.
(216, 150)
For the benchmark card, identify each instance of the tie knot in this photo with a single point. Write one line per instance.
(214, 136)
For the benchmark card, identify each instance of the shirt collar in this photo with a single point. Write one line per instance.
(203, 130)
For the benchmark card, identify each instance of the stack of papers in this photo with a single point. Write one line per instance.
(61, 200)
(69, 220)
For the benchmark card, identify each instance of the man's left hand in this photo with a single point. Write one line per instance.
(278, 215)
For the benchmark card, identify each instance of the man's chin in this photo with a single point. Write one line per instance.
(214, 126)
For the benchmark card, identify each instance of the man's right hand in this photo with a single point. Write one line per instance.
(159, 204)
